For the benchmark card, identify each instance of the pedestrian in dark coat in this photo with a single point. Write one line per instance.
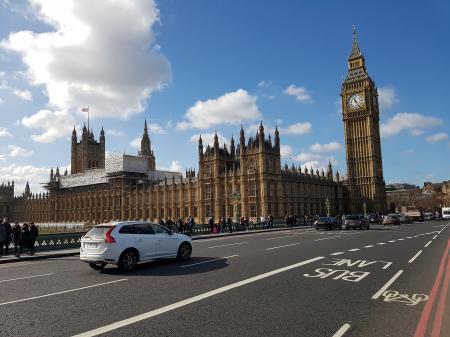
(7, 226)
(2, 237)
(34, 233)
(180, 225)
(25, 238)
(230, 225)
(16, 237)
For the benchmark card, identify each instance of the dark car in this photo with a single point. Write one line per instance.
(327, 222)
(355, 221)
(374, 219)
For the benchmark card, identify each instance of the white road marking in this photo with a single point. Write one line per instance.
(330, 237)
(292, 244)
(230, 244)
(387, 265)
(220, 258)
(26, 277)
(387, 285)
(428, 243)
(280, 237)
(391, 241)
(401, 239)
(434, 237)
(337, 253)
(62, 292)
(415, 256)
(381, 243)
(170, 307)
(353, 250)
(369, 246)
(342, 330)
(409, 237)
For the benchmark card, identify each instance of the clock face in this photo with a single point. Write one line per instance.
(356, 101)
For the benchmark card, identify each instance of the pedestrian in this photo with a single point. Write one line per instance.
(263, 221)
(180, 225)
(270, 221)
(7, 226)
(211, 225)
(2, 237)
(34, 233)
(169, 223)
(241, 223)
(16, 237)
(230, 225)
(25, 238)
(161, 222)
(246, 223)
(191, 225)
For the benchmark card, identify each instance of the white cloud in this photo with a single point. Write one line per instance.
(56, 124)
(114, 133)
(136, 143)
(2, 157)
(17, 151)
(314, 160)
(208, 139)
(23, 94)
(407, 121)
(264, 84)
(4, 132)
(97, 52)
(155, 128)
(329, 147)
(175, 166)
(438, 137)
(231, 108)
(416, 132)
(308, 157)
(286, 151)
(300, 93)
(387, 97)
(297, 129)
(21, 174)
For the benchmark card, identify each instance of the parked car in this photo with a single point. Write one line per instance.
(374, 219)
(391, 219)
(445, 213)
(327, 222)
(404, 218)
(126, 243)
(428, 216)
(355, 221)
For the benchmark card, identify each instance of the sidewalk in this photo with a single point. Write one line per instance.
(39, 255)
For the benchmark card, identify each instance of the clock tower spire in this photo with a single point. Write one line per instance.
(360, 113)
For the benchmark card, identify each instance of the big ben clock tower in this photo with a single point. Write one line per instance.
(362, 136)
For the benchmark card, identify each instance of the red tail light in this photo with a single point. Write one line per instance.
(108, 237)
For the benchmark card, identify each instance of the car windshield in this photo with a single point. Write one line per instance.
(97, 232)
(352, 217)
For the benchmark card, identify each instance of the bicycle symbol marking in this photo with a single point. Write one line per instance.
(395, 296)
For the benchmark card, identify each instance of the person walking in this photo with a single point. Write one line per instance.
(211, 225)
(169, 223)
(16, 237)
(7, 226)
(179, 225)
(25, 238)
(34, 233)
(191, 224)
(2, 237)
(230, 225)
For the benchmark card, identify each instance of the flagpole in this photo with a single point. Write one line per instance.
(89, 130)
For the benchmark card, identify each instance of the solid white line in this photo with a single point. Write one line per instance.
(292, 244)
(388, 283)
(61, 292)
(330, 237)
(230, 244)
(170, 307)
(338, 253)
(220, 258)
(342, 330)
(353, 250)
(369, 246)
(415, 256)
(24, 278)
(434, 237)
(428, 243)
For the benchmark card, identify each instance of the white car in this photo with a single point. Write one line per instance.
(126, 243)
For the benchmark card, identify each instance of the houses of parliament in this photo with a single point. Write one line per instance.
(246, 178)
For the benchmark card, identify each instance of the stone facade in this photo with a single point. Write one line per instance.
(88, 153)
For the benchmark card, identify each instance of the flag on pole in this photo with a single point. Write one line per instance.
(85, 109)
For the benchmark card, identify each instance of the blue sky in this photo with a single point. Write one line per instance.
(195, 67)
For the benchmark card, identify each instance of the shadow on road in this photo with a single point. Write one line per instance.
(170, 267)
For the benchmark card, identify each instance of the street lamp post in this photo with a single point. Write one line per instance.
(365, 208)
(327, 205)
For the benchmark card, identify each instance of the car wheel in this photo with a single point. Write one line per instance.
(128, 260)
(184, 252)
(346, 228)
(97, 266)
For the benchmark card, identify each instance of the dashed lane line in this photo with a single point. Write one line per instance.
(218, 259)
(330, 237)
(434, 237)
(391, 241)
(415, 256)
(369, 246)
(182, 303)
(353, 250)
(428, 243)
(62, 292)
(26, 277)
(230, 244)
(343, 329)
(387, 285)
(337, 253)
(292, 244)
(381, 243)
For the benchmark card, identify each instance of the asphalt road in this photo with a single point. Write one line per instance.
(382, 282)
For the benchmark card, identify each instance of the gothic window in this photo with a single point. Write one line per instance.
(252, 190)
(253, 211)
(208, 192)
